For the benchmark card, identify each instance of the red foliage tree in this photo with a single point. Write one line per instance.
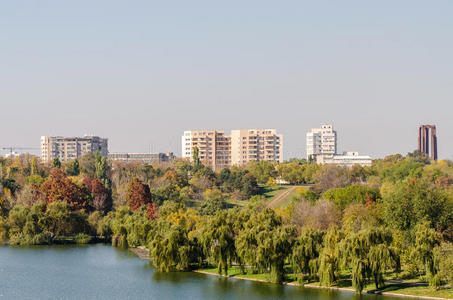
(60, 188)
(138, 194)
(151, 211)
(102, 201)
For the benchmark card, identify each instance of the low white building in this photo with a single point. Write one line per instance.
(143, 157)
(347, 159)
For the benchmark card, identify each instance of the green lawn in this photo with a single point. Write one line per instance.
(270, 192)
(346, 283)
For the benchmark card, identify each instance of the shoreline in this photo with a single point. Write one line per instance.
(314, 286)
(142, 253)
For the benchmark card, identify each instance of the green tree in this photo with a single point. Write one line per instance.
(305, 253)
(196, 158)
(171, 249)
(330, 257)
(369, 253)
(264, 244)
(56, 163)
(443, 256)
(73, 168)
(218, 240)
(426, 239)
(34, 167)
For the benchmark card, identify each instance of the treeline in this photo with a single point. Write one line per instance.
(361, 222)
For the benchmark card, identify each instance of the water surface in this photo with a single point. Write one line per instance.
(103, 272)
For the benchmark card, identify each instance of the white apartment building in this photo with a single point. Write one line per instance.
(70, 148)
(321, 141)
(218, 150)
(256, 145)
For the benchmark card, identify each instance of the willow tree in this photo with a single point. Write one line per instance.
(305, 254)
(171, 249)
(218, 240)
(369, 252)
(426, 239)
(265, 244)
(329, 257)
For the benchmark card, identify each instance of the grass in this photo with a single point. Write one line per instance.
(418, 291)
(403, 288)
(270, 192)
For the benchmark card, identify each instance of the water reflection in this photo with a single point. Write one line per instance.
(103, 272)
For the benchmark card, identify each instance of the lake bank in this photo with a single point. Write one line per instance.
(316, 286)
(143, 253)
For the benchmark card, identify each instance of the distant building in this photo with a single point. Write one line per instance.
(321, 141)
(347, 159)
(70, 148)
(214, 147)
(322, 149)
(256, 145)
(424, 138)
(13, 154)
(144, 157)
(218, 150)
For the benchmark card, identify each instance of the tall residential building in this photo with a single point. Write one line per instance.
(214, 147)
(218, 150)
(144, 157)
(321, 141)
(70, 148)
(256, 145)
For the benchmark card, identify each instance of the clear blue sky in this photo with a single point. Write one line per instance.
(142, 72)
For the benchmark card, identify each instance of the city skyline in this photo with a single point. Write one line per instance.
(142, 74)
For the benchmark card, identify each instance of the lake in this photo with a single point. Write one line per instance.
(103, 272)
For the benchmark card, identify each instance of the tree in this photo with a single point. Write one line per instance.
(218, 240)
(370, 253)
(56, 163)
(342, 197)
(329, 257)
(87, 165)
(138, 194)
(196, 158)
(101, 166)
(292, 172)
(60, 188)
(171, 249)
(443, 256)
(214, 201)
(102, 200)
(73, 168)
(330, 176)
(34, 166)
(264, 244)
(321, 215)
(412, 200)
(305, 253)
(262, 170)
(426, 239)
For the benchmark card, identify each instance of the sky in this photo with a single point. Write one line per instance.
(142, 72)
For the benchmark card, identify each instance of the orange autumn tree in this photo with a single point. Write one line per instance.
(102, 201)
(60, 188)
(138, 194)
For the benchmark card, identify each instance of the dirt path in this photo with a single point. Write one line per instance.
(282, 196)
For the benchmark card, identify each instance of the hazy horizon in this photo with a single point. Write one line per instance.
(141, 73)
